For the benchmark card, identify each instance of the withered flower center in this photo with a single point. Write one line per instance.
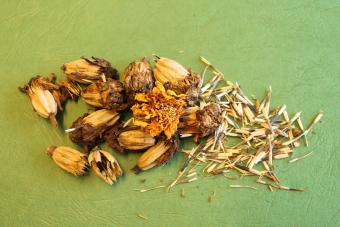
(159, 111)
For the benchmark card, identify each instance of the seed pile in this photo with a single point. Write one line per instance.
(168, 102)
(264, 133)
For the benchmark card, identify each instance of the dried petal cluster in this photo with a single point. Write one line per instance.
(87, 71)
(105, 165)
(109, 94)
(69, 159)
(158, 111)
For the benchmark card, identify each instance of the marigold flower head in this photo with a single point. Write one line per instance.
(158, 111)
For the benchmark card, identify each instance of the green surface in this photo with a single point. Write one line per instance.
(291, 45)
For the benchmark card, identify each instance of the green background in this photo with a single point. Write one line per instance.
(291, 45)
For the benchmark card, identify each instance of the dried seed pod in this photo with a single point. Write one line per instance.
(87, 131)
(69, 90)
(137, 78)
(158, 154)
(105, 165)
(109, 94)
(69, 159)
(125, 139)
(135, 139)
(167, 70)
(201, 122)
(44, 95)
(188, 86)
(158, 111)
(87, 71)
(208, 119)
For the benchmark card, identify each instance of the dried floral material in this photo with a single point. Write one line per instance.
(167, 70)
(242, 186)
(212, 196)
(142, 216)
(182, 193)
(159, 154)
(105, 165)
(69, 159)
(209, 118)
(310, 127)
(126, 139)
(87, 71)
(188, 86)
(265, 133)
(149, 189)
(109, 94)
(301, 157)
(44, 96)
(87, 131)
(135, 139)
(138, 78)
(202, 122)
(69, 90)
(158, 111)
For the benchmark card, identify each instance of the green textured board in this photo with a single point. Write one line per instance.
(291, 45)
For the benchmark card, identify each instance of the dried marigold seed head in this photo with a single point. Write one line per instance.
(44, 96)
(200, 122)
(158, 154)
(109, 94)
(69, 159)
(208, 119)
(158, 112)
(188, 86)
(137, 78)
(135, 140)
(167, 70)
(87, 71)
(105, 165)
(88, 130)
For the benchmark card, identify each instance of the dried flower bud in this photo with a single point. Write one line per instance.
(135, 139)
(109, 94)
(208, 119)
(87, 71)
(44, 95)
(105, 165)
(158, 154)
(69, 90)
(167, 70)
(87, 131)
(200, 122)
(137, 78)
(188, 86)
(69, 159)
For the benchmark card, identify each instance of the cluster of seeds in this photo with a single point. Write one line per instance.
(262, 133)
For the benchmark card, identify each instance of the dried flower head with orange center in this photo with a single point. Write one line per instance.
(158, 111)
